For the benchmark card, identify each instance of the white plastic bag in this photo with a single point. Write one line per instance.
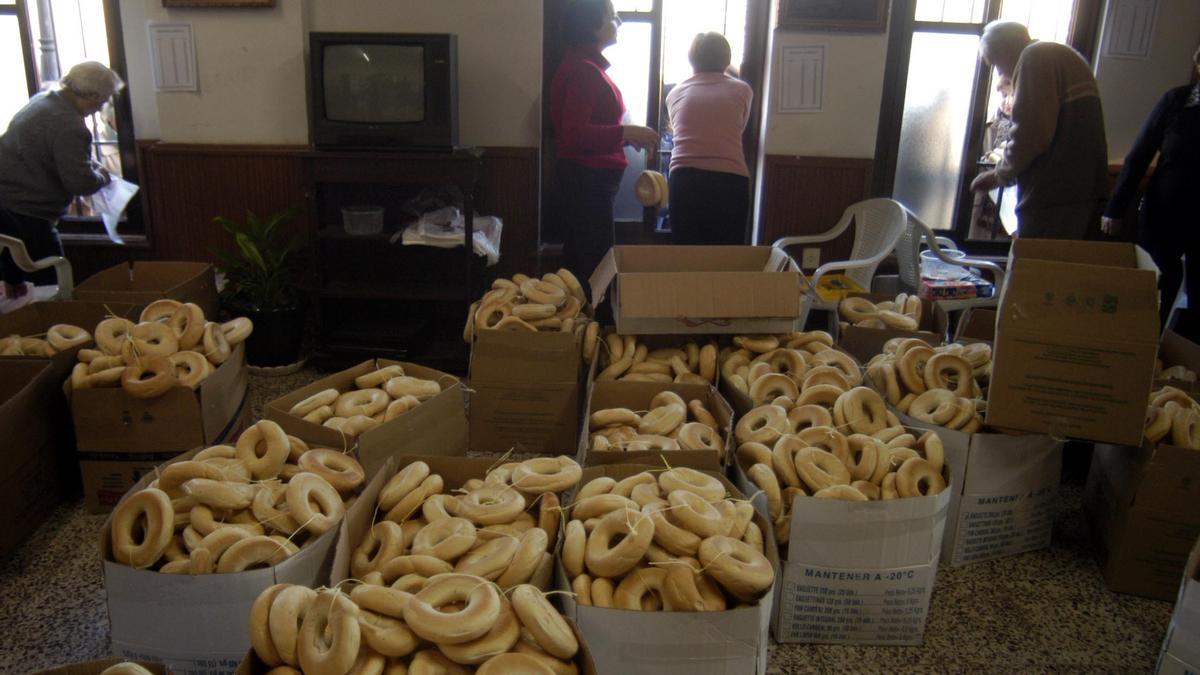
(110, 202)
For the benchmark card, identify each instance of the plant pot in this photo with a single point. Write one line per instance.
(278, 334)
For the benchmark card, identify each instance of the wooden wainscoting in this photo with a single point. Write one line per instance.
(508, 189)
(806, 195)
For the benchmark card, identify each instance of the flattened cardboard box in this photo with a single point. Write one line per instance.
(637, 396)
(1181, 648)
(857, 572)
(120, 437)
(1076, 339)
(436, 427)
(525, 392)
(733, 642)
(700, 289)
(145, 281)
(1144, 506)
(198, 624)
(30, 484)
(97, 667)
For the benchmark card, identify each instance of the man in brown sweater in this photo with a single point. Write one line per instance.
(1057, 154)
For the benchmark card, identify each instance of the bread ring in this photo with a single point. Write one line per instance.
(216, 347)
(770, 386)
(843, 492)
(697, 436)
(819, 469)
(250, 551)
(828, 375)
(64, 336)
(1185, 428)
(855, 309)
(307, 488)
(426, 617)
(827, 438)
(884, 379)
(491, 505)
(191, 368)
(361, 402)
(237, 330)
(675, 539)
(917, 478)
(662, 420)
(400, 485)
(691, 480)
(150, 512)
(159, 310)
(1158, 420)
(544, 293)
(934, 452)
(264, 510)
(640, 587)
(947, 371)
(825, 395)
(551, 631)
(148, 339)
(260, 631)
(286, 614)
(422, 565)
(533, 545)
(412, 501)
(546, 474)
(220, 494)
(439, 507)
(329, 637)
(172, 476)
(275, 449)
(111, 335)
(322, 398)
(840, 360)
(574, 543)
(187, 325)
(764, 424)
(604, 559)
(863, 411)
(935, 406)
(446, 539)
(383, 542)
(491, 313)
(759, 344)
(386, 635)
(740, 569)
(398, 387)
(767, 481)
(898, 321)
(151, 377)
(340, 470)
(698, 515)
(910, 367)
(500, 638)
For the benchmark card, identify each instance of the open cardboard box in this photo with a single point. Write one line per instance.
(97, 667)
(1181, 648)
(733, 642)
(1076, 338)
(120, 437)
(437, 426)
(34, 320)
(857, 572)
(198, 624)
(31, 485)
(700, 289)
(145, 281)
(637, 396)
(525, 391)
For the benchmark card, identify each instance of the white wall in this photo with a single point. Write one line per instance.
(853, 88)
(252, 66)
(1129, 88)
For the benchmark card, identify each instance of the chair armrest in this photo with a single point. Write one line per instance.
(996, 270)
(828, 235)
(837, 265)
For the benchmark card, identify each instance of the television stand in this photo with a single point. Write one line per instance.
(376, 298)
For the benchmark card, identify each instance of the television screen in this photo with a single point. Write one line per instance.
(374, 83)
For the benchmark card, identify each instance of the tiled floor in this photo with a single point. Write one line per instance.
(1045, 611)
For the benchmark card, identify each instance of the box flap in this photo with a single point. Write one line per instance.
(1104, 253)
(977, 324)
(522, 357)
(713, 295)
(1170, 483)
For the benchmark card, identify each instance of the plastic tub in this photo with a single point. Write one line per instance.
(934, 268)
(362, 219)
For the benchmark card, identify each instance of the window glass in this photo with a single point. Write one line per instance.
(951, 11)
(633, 5)
(683, 19)
(630, 59)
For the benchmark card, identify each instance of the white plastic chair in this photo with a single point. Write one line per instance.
(62, 270)
(908, 253)
(879, 224)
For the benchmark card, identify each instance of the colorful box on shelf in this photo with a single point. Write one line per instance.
(145, 281)
(966, 288)
(120, 438)
(700, 289)
(437, 426)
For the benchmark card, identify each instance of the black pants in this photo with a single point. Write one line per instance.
(1168, 252)
(41, 240)
(708, 207)
(584, 209)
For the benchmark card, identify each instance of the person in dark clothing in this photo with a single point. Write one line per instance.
(1168, 222)
(587, 111)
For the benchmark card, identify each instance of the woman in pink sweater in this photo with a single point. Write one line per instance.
(709, 183)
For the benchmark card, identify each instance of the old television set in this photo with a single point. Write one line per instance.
(391, 91)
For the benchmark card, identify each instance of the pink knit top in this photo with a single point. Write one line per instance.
(708, 113)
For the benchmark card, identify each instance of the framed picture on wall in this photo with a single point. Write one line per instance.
(851, 16)
(218, 3)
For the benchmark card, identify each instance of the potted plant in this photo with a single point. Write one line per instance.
(261, 273)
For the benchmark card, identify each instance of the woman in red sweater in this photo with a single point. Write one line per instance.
(587, 112)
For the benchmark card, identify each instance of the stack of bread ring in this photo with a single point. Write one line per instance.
(621, 357)
(233, 508)
(59, 338)
(448, 623)
(556, 302)
(1161, 372)
(665, 427)
(501, 527)
(172, 344)
(904, 313)
(765, 367)
(380, 395)
(1173, 416)
(851, 447)
(675, 542)
(937, 385)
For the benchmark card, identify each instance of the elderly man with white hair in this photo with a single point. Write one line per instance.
(1057, 155)
(45, 161)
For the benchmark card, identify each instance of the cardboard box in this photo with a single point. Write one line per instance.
(437, 426)
(976, 325)
(637, 396)
(1076, 339)
(1181, 648)
(97, 667)
(525, 392)
(700, 289)
(857, 572)
(741, 401)
(1143, 504)
(145, 281)
(198, 625)
(1176, 350)
(120, 437)
(733, 642)
(31, 485)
